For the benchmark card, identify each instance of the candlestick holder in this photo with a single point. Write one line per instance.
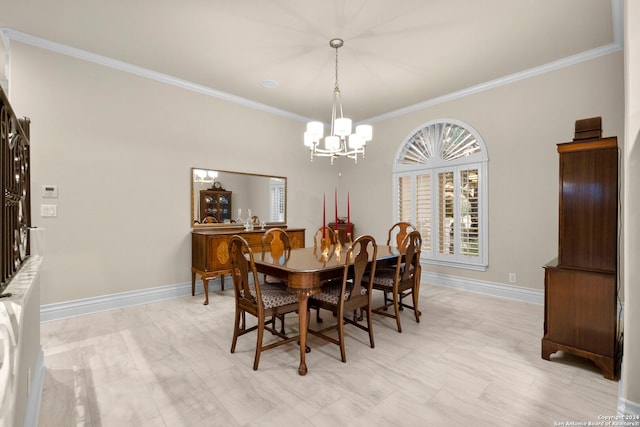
(321, 248)
(338, 247)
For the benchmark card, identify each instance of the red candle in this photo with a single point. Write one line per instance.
(348, 215)
(336, 203)
(324, 216)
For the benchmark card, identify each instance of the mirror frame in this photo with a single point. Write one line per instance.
(233, 225)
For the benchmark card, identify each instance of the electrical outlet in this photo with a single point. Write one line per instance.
(512, 278)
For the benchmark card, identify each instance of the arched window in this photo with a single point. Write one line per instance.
(440, 186)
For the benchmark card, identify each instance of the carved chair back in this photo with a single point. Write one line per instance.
(398, 232)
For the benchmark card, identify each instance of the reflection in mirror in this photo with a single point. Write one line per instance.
(224, 198)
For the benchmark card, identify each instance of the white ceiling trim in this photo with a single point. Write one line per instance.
(617, 12)
(555, 65)
(28, 39)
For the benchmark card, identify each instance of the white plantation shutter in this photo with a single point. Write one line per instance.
(423, 208)
(405, 211)
(440, 181)
(469, 244)
(277, 200)
(445, 213)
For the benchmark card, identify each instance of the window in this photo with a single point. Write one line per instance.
(276, 186)
(440, 186)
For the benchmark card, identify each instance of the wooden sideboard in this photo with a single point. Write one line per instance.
(210, 253)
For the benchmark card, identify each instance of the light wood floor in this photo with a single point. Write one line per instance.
(473, 360)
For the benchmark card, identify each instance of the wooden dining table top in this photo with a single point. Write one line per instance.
(307, 268)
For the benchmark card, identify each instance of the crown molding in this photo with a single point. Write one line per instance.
(532, 72)
(28, 39)
(617, 13)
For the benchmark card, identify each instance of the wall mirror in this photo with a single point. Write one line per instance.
(224, 198)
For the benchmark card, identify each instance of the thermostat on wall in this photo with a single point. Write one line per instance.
(50, 191)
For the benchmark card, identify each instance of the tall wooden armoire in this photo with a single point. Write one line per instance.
(581, 285)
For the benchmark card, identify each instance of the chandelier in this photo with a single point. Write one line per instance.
(340, 142)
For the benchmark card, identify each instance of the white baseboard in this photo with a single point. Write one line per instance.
(628, 408)
(67, 309)
(501, 290)
(516, 293)
(35, 397)
(63, 310)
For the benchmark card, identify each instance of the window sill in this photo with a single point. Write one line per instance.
(454, 264)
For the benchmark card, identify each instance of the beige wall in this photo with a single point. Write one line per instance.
(521, 124)
(3, 65)
(631, 278)
(120, 148)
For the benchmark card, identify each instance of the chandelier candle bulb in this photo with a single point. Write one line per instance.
(332, 143)
(355, 141)
(365, 132)
(308, 139)
(342, 126)
(316, 130)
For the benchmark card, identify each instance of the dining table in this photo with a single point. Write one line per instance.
(305, 270)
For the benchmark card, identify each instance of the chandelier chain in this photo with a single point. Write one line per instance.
(337, 97)
(337, 87)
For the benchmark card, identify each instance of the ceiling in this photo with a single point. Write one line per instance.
(395, 55)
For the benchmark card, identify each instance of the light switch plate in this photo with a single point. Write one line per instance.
(50, 191)
(48, 210)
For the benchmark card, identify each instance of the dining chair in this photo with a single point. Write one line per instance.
(398, 232)
(401, 281)
(321, 244)
(351, 294)
(276, 241)
(260, 300)
(209, 220)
